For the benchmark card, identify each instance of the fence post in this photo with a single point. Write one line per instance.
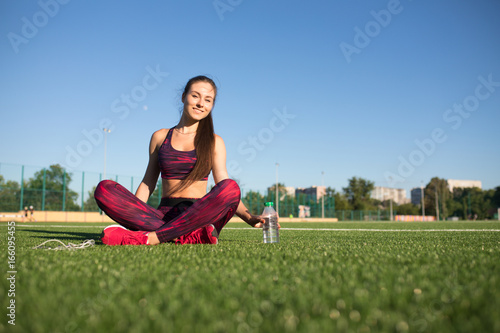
(333, 209)
(22, 189)
(43, 188)
(250, 203)
(83, 185)
(64, 192)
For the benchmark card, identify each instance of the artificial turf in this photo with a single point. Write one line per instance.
(396, 277)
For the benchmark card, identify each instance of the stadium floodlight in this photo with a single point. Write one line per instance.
(106, 131)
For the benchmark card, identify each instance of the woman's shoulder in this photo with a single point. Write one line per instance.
(161, 133)
(218, 139)
(159, 136)
(219, 143)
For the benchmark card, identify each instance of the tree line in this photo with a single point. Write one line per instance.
(464, 203)
(48, 189)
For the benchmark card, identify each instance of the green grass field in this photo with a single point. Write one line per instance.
(337, 277)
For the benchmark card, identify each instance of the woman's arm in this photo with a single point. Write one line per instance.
(148, 184)
(219, 172)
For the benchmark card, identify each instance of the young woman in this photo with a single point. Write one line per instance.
(184, 156)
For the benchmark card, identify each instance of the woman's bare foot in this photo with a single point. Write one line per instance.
(153, 239)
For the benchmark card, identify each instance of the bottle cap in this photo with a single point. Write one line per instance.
(269, 204)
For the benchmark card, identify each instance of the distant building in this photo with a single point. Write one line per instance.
(290, 191)
(286, 191)
(398, 195)
(314, 192)
(416, 195)
(453, 183)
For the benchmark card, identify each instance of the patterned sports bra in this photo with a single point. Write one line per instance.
(175, 164)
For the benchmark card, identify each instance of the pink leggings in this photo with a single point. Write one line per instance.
(169, 222)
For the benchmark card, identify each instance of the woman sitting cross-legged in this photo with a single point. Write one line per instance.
(184, 156)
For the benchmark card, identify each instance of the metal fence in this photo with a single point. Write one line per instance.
(55, 189)
(289, 206)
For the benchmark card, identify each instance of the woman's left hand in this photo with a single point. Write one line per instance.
(258, 221)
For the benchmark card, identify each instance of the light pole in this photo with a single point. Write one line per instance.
(323, 196)
(106, 131)
(277, 198)
(437, 202)
(392, 217)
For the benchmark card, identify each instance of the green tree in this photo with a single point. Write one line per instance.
(90, 205)
(330, 192)
(437, 188)
(341, 202)
(254, 201)
(470, 203)
(407, 209)
(478, 203)
(456, 207)
(489, 204)
(58, 195)
(495, 199)
(329, 202)
(358, 193)
(10, 192)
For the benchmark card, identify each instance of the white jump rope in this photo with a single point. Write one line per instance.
(69, 246)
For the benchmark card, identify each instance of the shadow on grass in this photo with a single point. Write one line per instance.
(238, 241)
(79, 236)
(82, 236)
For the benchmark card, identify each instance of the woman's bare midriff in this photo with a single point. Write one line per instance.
(196, 190)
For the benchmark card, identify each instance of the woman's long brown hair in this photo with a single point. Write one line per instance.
(204, 142)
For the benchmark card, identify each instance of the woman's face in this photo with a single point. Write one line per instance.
(199, 100)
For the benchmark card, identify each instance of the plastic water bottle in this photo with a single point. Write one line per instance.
(270, 228)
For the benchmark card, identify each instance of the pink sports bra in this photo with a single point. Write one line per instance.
(175, 164)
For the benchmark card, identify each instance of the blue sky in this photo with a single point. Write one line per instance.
(396, 92)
